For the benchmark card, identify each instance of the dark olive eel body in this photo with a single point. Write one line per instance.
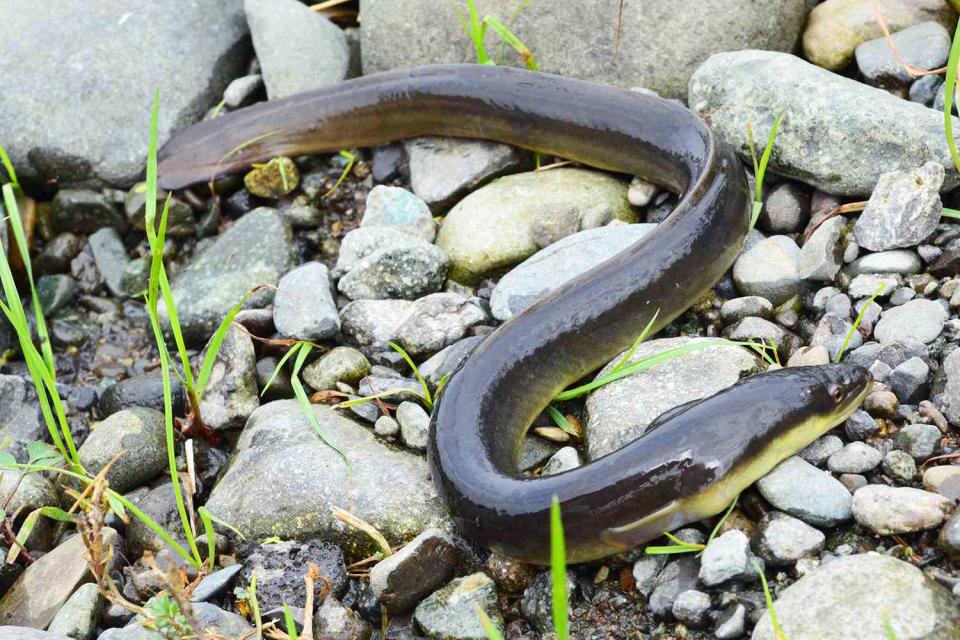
(697, 459)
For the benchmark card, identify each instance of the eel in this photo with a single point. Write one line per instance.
(697, 459)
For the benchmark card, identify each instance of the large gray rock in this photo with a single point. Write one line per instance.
(658, 43)
(256, 250)
(918, 319)
(138, 434)
(853, 596)
(853, 145)
(19, 416)
(101, 62)
(508, 220)
(262, 494)
(29, 633)
(559, 263)
(298, 49)
(620, 412)
(894, 510)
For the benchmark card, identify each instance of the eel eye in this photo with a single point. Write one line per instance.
(836, 392)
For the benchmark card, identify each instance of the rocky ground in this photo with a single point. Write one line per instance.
(432, 243)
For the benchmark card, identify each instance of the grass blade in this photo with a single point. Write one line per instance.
(857, 321)
(777, 631)
(558, 573)
(488, 627)
(303, 350)
(278, 369)
(951, 83)
(416, 372)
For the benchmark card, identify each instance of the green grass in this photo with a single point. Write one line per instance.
(560, 599)
(777, 631)
(951, 83)
(760, 167)
(682, 546)
(857, 321)
(476, 30)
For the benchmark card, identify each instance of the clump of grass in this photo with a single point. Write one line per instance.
(682, 546)
(425, 397)
(760, 167)
(476, 30)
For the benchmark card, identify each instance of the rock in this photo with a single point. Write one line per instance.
(951, 392)
(896, 261)
(909, 380)
(785, 342)
(856, 457)
(903, 210)
(421, 566)
(807, 493)
(256, 250)
(231, 394)
(732, 89)
(141, 391)
(511, 576)
(242, 91)
(832, 333)
(180, 219)
(919, 440)
(565, 459)
(20, 421)
(536, 604)
(731, 623)
(57, 253)
(900, 466)
(414, 425)
(769, 269)
(160, 505)
(110, 256)
(445, 362)
(27, 633)
(925, 46)
(852, 597)
(397, 209)
(620, 412)
(214, 584)
(678, 576)
(868, 284)
(944, 479)
(140, 434)
(262, 494)
(737, 309)
(641, 192)
(451, 612)
(924, 90)
(658, 46)
(334, 621)
(340, 364)
(891, 510)
(821, 256)
(365, 241)
(213, 620)
(691, 608)
(408, 271)
(819, 451)
(782, 540)
(55, 292)
(559, 263)
(125, 57)
(727, 558)
(807, 356)
(443, 170)
(949, 538)
(42, 589)
(273, 179)
(32, 492)
(918, 319)
(786, 209)
(298, 49)
(837, 27)
(645, 572)
(497, 226)
(437, 321)
(303, 306)
(373, 323)
(280, 567)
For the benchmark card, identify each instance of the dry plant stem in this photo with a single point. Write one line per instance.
(329, 4)
(850, 207)
(362, 525)
(554, 165)
(313, 572)
(912, 70)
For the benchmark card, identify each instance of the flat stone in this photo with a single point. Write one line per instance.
(856, 457)
(408, 271)
(303, 306)
(421, 566)
(497, 226)
(769, 269)
(111, 258)
(28, 633)
(918, 319)
(340, 364)
(117, 58)
(805, 492)
(557, 264)
(436, 321)
(138, 433)
(256, 250)
(924, 46)
(737, 309)
(263, 495)
(892, 510)
(298, 49)
(852, 597)
(36, 596)
(620, 412)
(896, 261)
(853, 146)
(919, 440)
(658, 46)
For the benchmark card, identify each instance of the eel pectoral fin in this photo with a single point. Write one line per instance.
(644, 529)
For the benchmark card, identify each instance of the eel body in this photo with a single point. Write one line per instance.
(695, 460)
